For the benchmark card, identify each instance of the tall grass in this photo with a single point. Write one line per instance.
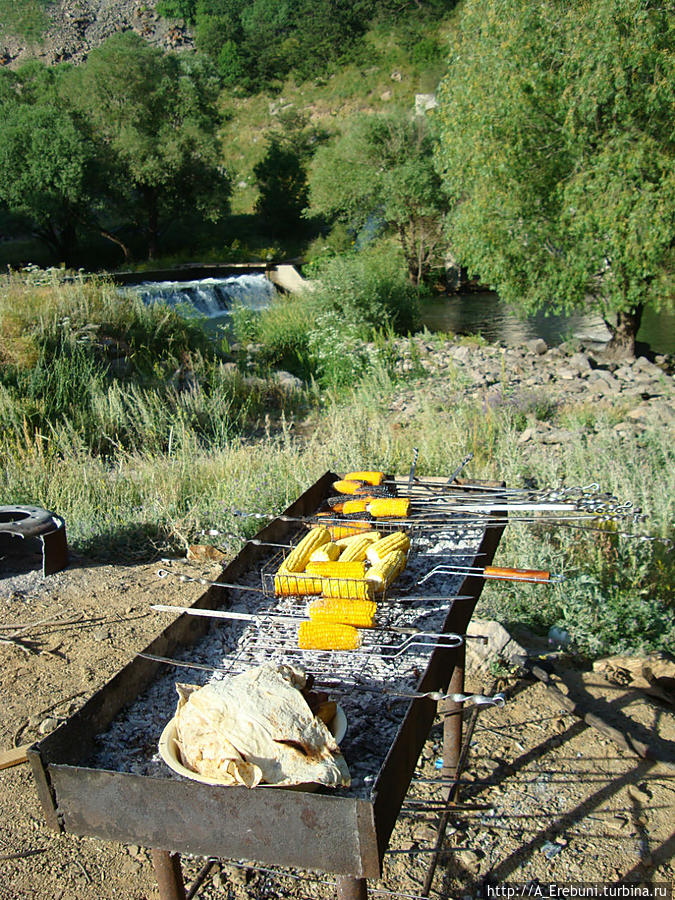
(141, 463)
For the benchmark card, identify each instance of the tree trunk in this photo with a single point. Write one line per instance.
(624, 331)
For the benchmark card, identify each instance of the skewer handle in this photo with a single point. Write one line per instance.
(517, 574)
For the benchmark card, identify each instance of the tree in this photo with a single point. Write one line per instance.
(557, 150)
(383, 166)
(48, 162)
(281, 174)
(157, 115)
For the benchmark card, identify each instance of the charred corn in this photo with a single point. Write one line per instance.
(296, 585)
(327, 636)
(359, 613)
(347, 589)
(299, 556)
(397, 507)
(399, 540)
(387, 570)
(337, 569)
(368, 477)
(326, 553)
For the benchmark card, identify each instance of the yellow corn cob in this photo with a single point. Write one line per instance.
(397, 507)
(337, 569)
(387, 570)
(359, 613)
(299, 556)
(326, 553)
(327, 636)
(296, 585)
(372, 536)
(368, 477)
(399, 540)
(356, 551)
(342, 531)
(347, 589)
(355, 506)
(346, 487)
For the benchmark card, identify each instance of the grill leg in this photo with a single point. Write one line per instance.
(169, 875)
(350, 888)
(452, 724)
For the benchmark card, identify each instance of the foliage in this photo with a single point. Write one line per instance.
(26, 18)
(558, 155)
(281, 174)
(383, 166)
(257, 43)
(368, 289)
(157, 114)
(47, 166)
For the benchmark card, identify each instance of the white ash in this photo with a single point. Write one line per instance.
(356, 679)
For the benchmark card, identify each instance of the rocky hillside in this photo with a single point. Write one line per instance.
(78, 26)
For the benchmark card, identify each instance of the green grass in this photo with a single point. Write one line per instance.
(140, 463)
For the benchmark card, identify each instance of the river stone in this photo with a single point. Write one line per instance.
(580, 362)
(537, 346)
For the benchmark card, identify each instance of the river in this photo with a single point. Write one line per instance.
(483, 313)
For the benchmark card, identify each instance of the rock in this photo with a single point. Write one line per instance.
(551, 849)
(460, 353)
(639, 795)
(424, 834)
(48, 725)
(580, 362)
(526, 436)
(101, 634)
(567, 373)
(386, 96)
(470, 859)
(396, 75)
(557, 436)
(287, 382)
(537, 346)
(204, 553)
(499, 643)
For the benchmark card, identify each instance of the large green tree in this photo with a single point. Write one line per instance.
(557, 149)
(157, 115)
(383, 166)
(49, 164)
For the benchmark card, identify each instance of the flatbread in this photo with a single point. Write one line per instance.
(257, 728)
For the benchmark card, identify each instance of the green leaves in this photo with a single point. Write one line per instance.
(557, 150)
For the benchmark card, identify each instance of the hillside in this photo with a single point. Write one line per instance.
(74, 27)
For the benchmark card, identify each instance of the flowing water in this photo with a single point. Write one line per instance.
(477, 313)
(211, 297)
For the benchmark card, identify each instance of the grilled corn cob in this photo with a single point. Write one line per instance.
(368, 477)
(326, 553)
(327, 636)
(353, 529)
(387, 570)
(296, 585)
(347, 589)
(399, 540)
(359, 613)
(356, 551)
(375, 490)
(347, 487)
(337, 569)
(299, 556)
(372, 536)
(355, 506)
(397, 507)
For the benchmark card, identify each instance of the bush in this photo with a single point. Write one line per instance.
(369, 289)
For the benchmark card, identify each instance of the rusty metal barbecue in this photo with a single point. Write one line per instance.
(344, 833)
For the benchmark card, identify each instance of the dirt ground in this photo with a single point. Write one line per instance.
(549, 798)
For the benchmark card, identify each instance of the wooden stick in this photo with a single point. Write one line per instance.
(14, 757)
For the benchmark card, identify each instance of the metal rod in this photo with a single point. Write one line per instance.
(411, 476)
(452, 724)
(201, 877)
(349, 888)
(169, 875)
(467, 459)
(452, 793)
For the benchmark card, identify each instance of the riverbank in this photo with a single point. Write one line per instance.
(146, 437)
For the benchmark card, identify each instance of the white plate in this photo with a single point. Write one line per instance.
(168, 750)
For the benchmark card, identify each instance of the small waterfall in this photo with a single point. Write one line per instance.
(210, 297)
